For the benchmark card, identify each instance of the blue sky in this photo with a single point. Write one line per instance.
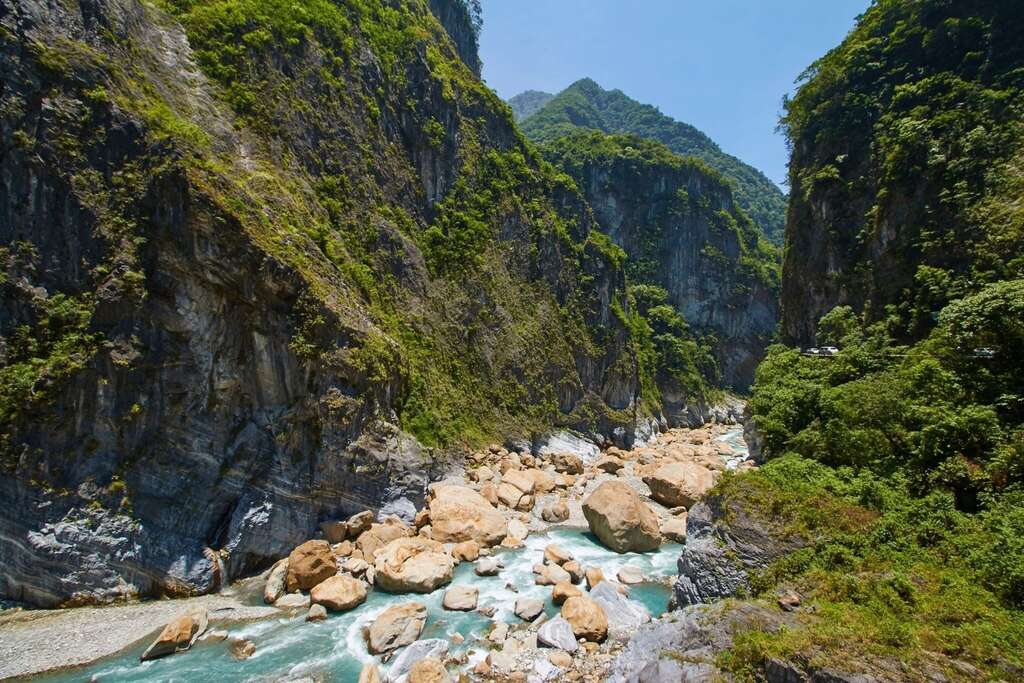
(720, 65)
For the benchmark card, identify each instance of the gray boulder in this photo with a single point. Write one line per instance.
(557, 633)
(398, 672)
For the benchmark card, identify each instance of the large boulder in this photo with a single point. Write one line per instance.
(339, 593)
(379, 535)
(679, 483)
(516, 490)
(459, 514)
(396, 627)
(543, 482)
(417, 565)
(461, 598)
(309, 564)
(620, 519)
(177, 636)
(555, 512)
(586, 617)
(358, 523)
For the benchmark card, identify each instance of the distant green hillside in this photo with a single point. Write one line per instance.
(527, 103)
(585, 104)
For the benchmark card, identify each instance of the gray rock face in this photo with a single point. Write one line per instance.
(201, 421)
(693, 636)
(719, 552)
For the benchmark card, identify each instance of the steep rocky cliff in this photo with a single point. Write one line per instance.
(681, 228)
(261, 262)
(587, 105)
(906, 169)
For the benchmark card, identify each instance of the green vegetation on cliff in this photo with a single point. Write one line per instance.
(586, 105)
(894, 584)
(905, 249)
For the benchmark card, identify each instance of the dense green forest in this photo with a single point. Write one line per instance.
(585, 104)
(907, 171)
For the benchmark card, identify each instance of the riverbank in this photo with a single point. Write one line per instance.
(288, 647)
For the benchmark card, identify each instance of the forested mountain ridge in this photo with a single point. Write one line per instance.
(527, 103)
(683, 231)
(250, 251)
(585, 104)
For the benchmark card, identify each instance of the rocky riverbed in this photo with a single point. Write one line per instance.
(385, 593)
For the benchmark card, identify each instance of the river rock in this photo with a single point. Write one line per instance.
(630, 574)
(459, 514)
(550, 574)
(316, 613)
(679, 483)
(241, 649)
(560, 658)
(422, 649)
(528, 609)
(178, 635)
(543, 482)
(334, 531)
(594, 576)
(467, 551)
(359, 522)
(461, 598)
(555, 512)
(355, 566)
(624, 615)
(563, 591)
(609, 464)
(575, 570)
(294, 600)
(488, 566)
(557, 633)
(370, 674)
(567, 463)
(379, 535)
(416, 565)
(276, 585)
(674, 528)
(395, 627)
(619, 518)
(556, 555)
(586, 617)
(518, 530)
(309, 564)
(339, 593)
(429, 670)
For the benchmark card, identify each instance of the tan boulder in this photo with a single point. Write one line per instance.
(334, 531)
(370, 674)
(339, 593)
(460, 598)
(178, 635)
(379, 535)
(674, 528)
(543, 482)
(416, 565)
(490, 493)
(594, 576)
(586, 617)
(568, 463)
(316, 613)
(359, 522)
(555, 554)
(309, 564)
(574, 569)
(458, 513)
(555, 512)
(429, 670)
(396, 627)
(679, 483)
(620, 519)
(563, 591)
(609, 464)
(551, 574)
(467, 551)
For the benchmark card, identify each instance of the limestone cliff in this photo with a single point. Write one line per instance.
(262, 264)
(680, 227)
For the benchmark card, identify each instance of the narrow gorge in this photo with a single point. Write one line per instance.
(321, 362)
